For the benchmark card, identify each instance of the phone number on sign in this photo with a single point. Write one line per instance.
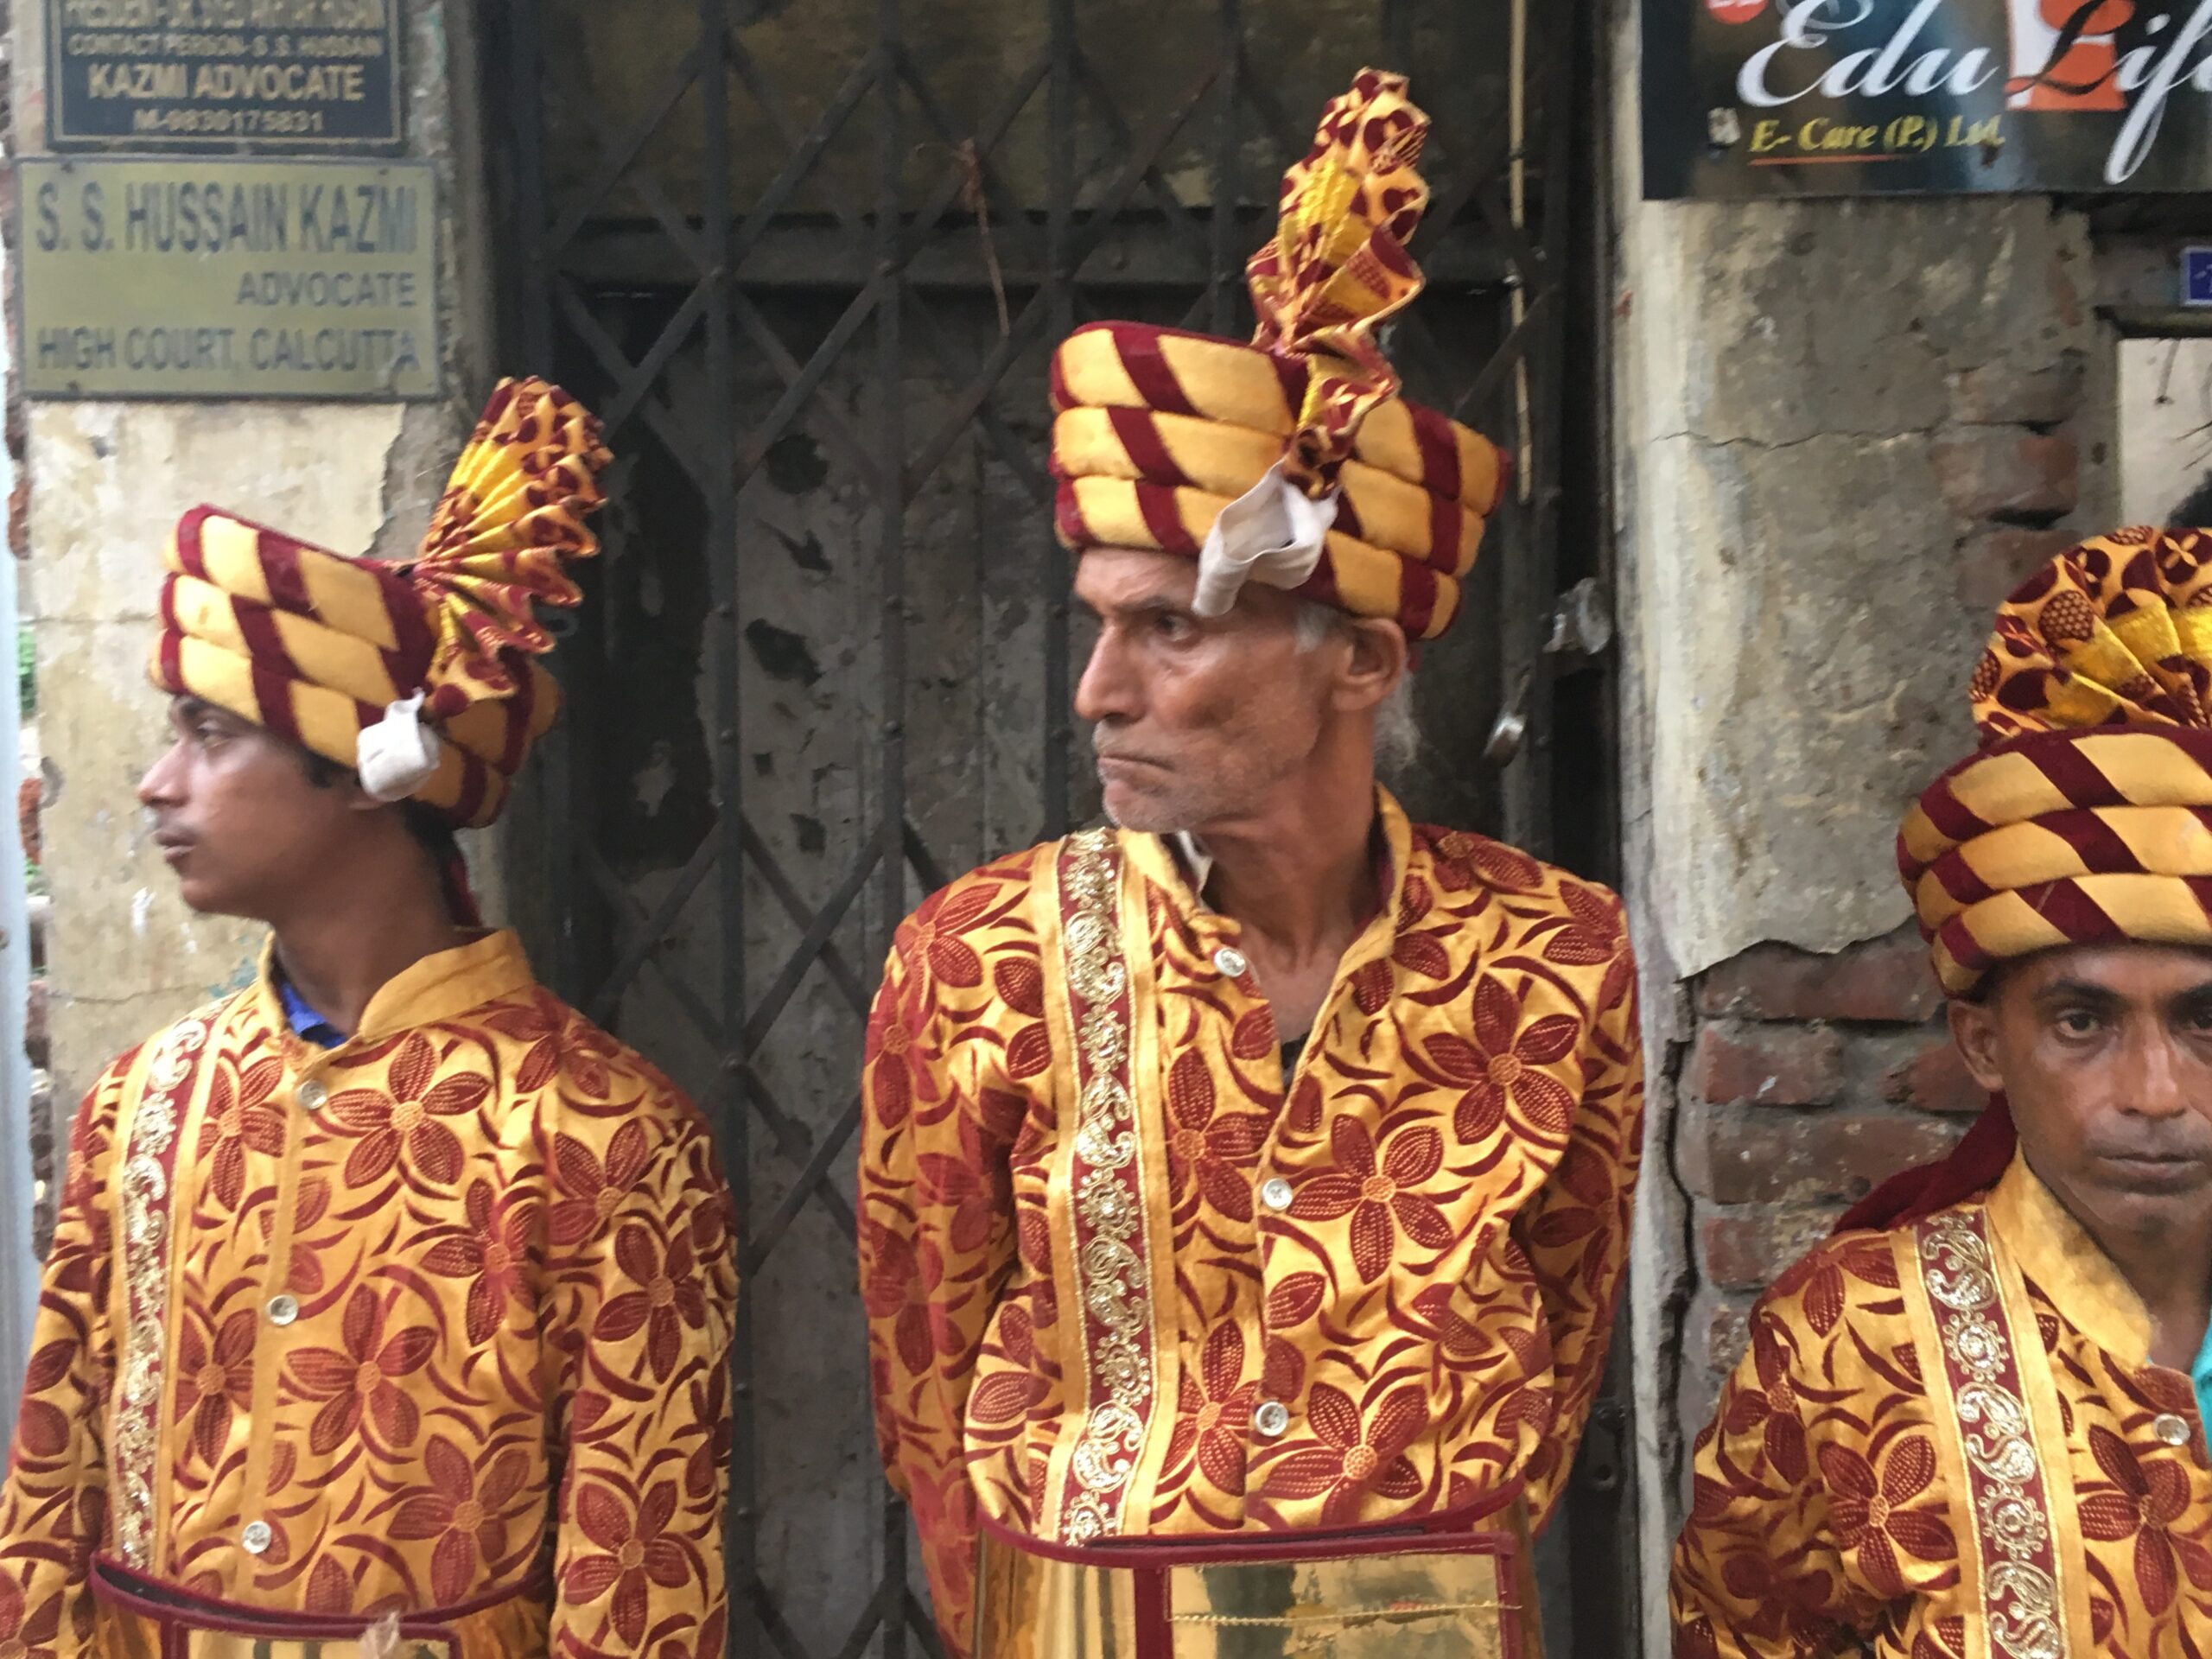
(291, 123)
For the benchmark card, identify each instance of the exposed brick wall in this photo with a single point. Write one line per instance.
(1810, 1078)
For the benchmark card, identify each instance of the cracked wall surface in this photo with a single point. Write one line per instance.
(1843, 430)
(105, 484)
(1848, 404)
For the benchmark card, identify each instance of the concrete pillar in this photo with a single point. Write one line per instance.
(107, 480)
(1845, 429)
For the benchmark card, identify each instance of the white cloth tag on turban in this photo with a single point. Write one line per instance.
(1273, 533)
(398, 754)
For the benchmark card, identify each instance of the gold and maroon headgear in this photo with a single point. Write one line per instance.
(1291, 461)
(422, 676)
(2086, 817)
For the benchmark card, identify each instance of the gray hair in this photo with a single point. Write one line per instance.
(1397, 733)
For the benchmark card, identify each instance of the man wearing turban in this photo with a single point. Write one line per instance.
(1244, 1188)
(1965, 1427)
(389, 1300)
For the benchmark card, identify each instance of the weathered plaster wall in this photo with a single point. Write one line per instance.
(106, 481)
(1845, 431)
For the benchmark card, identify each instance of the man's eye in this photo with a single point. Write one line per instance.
(2078, 1022)
(1171, 625)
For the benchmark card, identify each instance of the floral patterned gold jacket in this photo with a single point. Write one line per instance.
(1124, 1278)
(385, 1327)
(1948, 1441)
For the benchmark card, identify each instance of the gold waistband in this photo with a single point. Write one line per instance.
(137, 1619)
(1460, 1595)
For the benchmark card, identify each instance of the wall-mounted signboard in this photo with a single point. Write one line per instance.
(183, 278)
(237, 76)
(1774, 98)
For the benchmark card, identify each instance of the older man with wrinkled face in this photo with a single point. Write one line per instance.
(1966, 1423)
(1247, 1183)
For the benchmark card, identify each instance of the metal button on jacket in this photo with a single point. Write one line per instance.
(312, 1094)
(1230, 961)
(2171, 1429)
(1275, 1193)
(1270, 1417)
(283, 1309)
(256, 1537)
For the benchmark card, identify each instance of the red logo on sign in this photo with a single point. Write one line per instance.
(2065, 55)
(1735, 11)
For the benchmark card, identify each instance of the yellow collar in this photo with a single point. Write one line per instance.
(2056, 1250)
(441, 986)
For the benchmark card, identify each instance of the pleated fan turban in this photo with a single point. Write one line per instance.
(422, 676)
(1293, 458)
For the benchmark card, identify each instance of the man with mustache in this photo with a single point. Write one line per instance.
(1245, 1188)
(1965, 1425)
(389, 1300)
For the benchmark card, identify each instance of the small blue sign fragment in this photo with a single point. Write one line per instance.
(2196, 276)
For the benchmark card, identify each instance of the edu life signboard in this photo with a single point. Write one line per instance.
(1782, 98)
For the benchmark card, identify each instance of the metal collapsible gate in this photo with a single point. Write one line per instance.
(810, 257)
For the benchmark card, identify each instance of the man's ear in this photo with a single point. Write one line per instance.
(1375, 663)
(1973, 1028)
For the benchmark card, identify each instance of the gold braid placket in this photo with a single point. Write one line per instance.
(1110, 1265)
(146, 1185)
(2010, 1506)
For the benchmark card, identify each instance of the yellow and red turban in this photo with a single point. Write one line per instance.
(2085, 816)
(1159, 432)
(337, 653)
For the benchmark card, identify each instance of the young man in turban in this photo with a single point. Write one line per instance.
(1965, 1428)
(389, 1300)
(1244, 1189)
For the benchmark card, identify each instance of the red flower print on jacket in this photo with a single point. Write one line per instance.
(25, 1634)
(1214, 1416)
(588, 1193)
(400, 1128)
(536, 1022)
(1465, 861)
(901, 1283)
(971, 1186)
(1499, 1070)
(466, 1510)
(214, 1379)
(1377, 1196)
(1595, 938)
(492, 1253)
(358, 1385)
(2143, 1500)
(670, 1296)
(239, 1119)
(937, 927)
(1870, 1516)
(637, 1554)
(1353, 1458)
(1213, 1150)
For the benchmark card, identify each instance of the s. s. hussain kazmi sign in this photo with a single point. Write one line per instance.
(1778, 98)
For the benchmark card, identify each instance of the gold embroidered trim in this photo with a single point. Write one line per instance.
(1110, 1264)
(2011, 1513)
(1408, 1612)
(146, 1279)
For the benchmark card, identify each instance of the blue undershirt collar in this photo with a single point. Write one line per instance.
(308, 1026)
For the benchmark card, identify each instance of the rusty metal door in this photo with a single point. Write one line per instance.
(809, 258)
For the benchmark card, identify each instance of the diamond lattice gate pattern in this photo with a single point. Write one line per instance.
(811, 258)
